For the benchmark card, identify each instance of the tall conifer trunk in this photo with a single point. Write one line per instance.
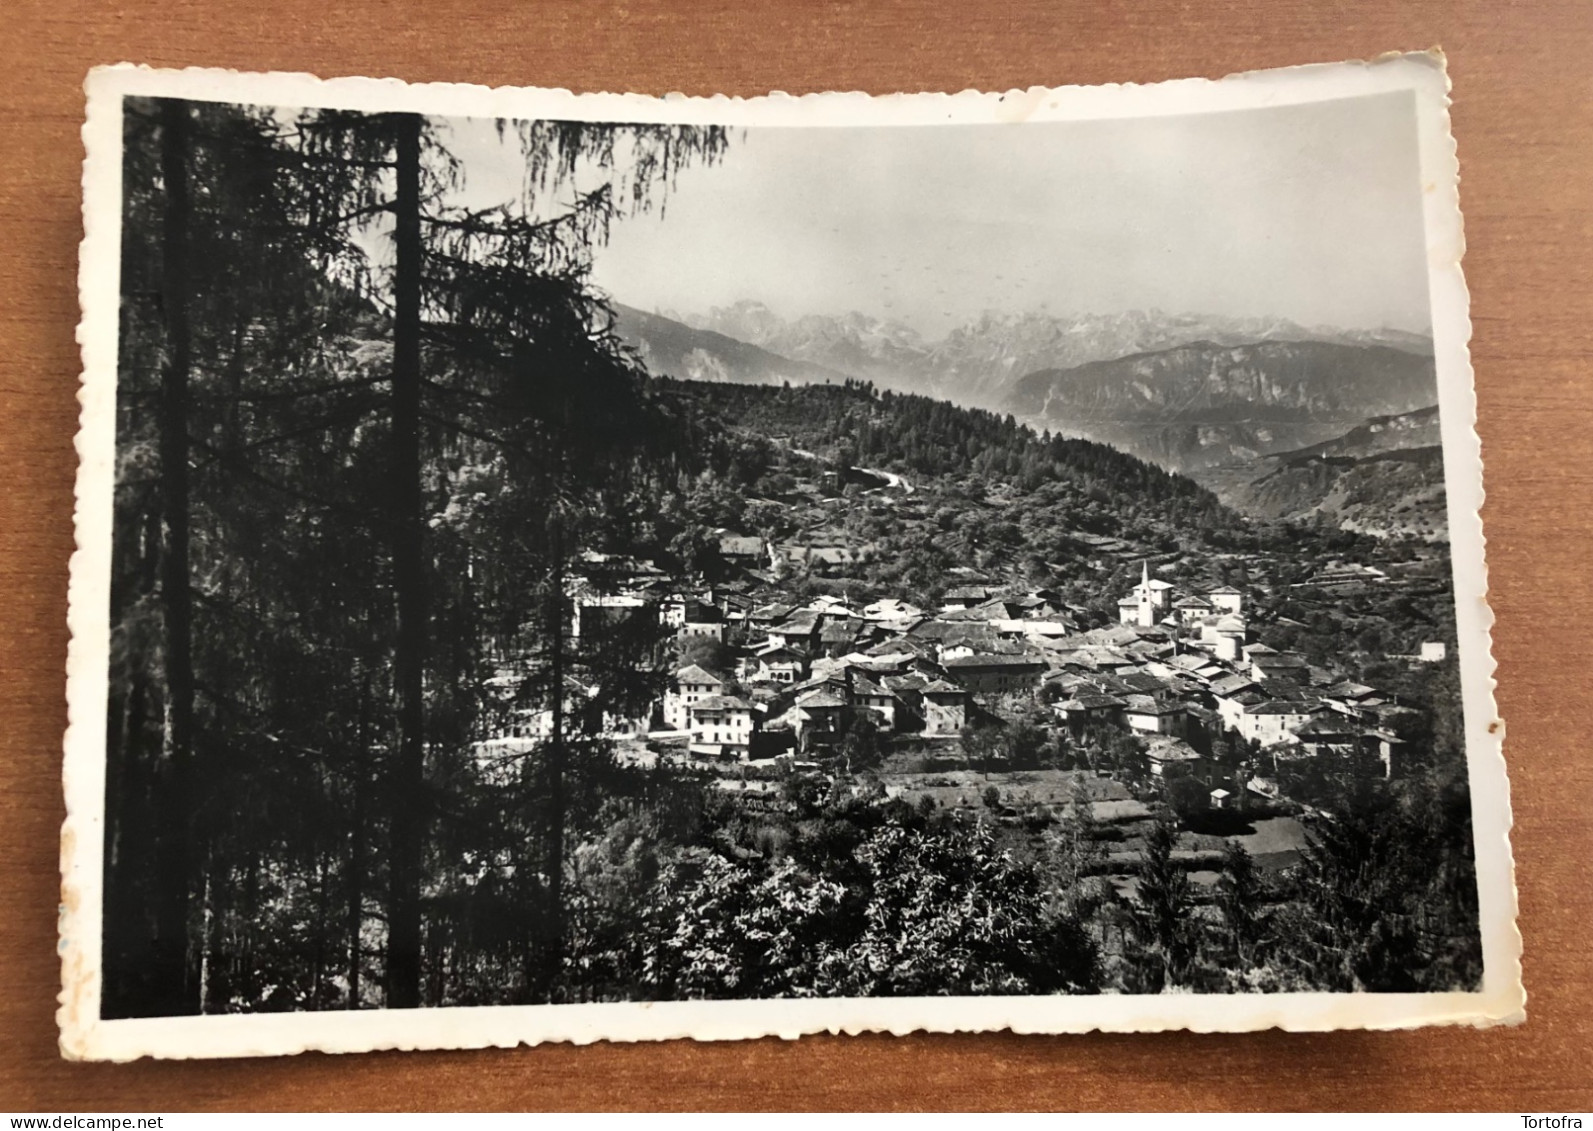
(407, 780)
(172, 984)
(554, 957)
(355, 908)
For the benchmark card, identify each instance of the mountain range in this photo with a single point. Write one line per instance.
(673, 348)
(1270, 414)
(1204, 404)
(978, 362)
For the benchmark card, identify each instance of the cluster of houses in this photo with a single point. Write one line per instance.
(1183, 665)
(791, 679)
(807, 674)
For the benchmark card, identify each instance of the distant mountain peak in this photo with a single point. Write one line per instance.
(978, 361)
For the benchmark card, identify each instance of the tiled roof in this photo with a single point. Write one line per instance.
(862, 685)
(1279, 707)
(910, 682)
(1326, 726)
(779, 652)
(1279, 660)
(691, 673)
(989, 661)
(1350, 690)
(722, 703)
(1145, 705)
(801, 621)
(968, 593)
(1091, 701)
(1143, 681)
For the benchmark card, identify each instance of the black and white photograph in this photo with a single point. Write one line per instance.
(577, 567)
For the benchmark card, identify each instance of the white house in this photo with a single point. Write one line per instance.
(1232, 704)
(1274, 720)
(691, 686)
(1193, 611)
(1150, 716)
(780, 664)
(1227, 601)
(672, 609)
(723, 720)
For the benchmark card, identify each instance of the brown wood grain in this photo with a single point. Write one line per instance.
(1523, 117)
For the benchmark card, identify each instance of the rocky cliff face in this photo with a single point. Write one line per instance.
(1205, 404)
(1385, 476)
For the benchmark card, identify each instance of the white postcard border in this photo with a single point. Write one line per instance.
(85, 1036)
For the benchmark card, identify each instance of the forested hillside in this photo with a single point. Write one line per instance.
(854, 424)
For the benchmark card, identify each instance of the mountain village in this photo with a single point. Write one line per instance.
(792, 679)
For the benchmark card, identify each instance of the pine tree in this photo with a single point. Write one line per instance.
(1164, 901)
(1238, 899)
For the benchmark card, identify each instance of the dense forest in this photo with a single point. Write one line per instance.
(348, 490)
(364, 438)
(928, 437)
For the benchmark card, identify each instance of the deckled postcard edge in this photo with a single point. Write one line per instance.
(84, 1035)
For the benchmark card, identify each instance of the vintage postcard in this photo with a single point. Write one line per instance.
(562, 567)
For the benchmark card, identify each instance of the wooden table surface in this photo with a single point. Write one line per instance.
(1523, 118)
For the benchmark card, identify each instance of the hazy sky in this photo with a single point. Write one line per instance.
(1311, 213)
